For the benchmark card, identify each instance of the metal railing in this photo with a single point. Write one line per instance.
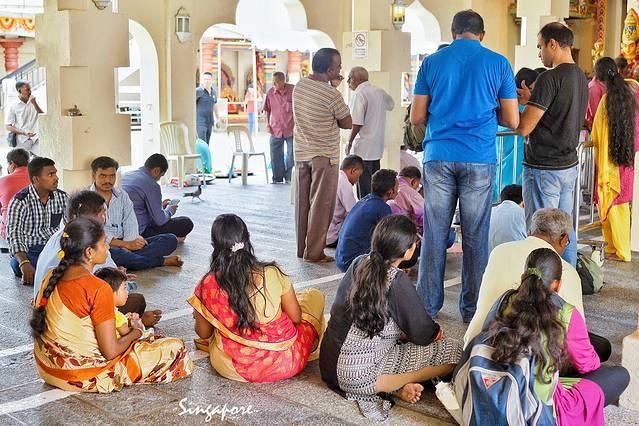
(585, 189)
(30, 72)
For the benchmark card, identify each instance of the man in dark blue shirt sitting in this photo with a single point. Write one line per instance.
(205, 100)
(357, 230)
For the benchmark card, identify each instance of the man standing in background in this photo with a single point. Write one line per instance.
(205, 100)
(22, 119)
(368, 109)
(279, 123)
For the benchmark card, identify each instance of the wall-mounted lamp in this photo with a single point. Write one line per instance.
(183, 25)
(398, 13)
(101, 4)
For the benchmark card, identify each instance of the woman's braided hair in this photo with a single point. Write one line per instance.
(78, 235)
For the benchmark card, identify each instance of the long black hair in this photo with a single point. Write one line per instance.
(393, 235)
(78, 235)
(621, 108)
(235, 267)
(532, 316)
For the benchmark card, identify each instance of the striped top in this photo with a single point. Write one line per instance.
(317, 107)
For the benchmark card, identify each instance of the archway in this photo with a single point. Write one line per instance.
(138, 93)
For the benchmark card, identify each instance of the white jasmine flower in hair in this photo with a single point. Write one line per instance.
(237, 246)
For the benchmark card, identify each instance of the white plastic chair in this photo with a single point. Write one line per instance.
(238, 150)
(175, 146)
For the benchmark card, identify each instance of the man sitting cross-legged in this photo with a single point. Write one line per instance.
(350, 172)
(357, 231)
(155, 216)
(549, 228)
(34, 215)
(127, 247)
(88, 204)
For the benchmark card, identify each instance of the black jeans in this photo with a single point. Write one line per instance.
(612, 381)
(366, 179)
(601, 345)
(204, 132)
(179, 226)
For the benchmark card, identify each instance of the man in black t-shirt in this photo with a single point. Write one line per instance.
(205, 100)
(553, 118)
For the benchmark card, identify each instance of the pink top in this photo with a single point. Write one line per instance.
(344, 203)
(596, 90)
(583, 403)
(10, 185)
(280, 106)
(410, 201)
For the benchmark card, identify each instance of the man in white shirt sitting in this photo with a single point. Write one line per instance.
(22, 119)
(350, 171)
(508, 219)
(368, 107)
(549, 228)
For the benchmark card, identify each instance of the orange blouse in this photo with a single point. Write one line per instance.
(88, 295)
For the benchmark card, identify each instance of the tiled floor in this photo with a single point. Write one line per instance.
(24, 399)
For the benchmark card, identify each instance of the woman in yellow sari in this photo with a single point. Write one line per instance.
(615, 136)
(247, 314)
(76, 347)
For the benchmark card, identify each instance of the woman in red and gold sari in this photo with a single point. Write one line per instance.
(247, 314)
(76, 347)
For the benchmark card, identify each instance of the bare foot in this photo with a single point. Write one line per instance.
(173, 261)
(150, 318)
(410, 392)
(613, 257)
(181, 240)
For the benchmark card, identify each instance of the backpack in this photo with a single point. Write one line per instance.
(490, 393)
(590, 274)
(413, 135)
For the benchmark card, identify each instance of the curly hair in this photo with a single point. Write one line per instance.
(531, 325)
(621, 108)
(393, 235)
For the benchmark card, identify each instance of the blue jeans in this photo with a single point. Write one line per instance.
(150, 256)
(281, 168)
(551, 188)
(444, 183)
(32, 255)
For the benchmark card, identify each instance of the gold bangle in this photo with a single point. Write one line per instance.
(24, 262)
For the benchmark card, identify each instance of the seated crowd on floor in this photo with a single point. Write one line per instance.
(520, 293)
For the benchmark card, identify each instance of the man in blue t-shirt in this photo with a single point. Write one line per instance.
(205, 100)
(357, 231)
(462, 93)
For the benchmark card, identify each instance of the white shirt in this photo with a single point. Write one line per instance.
(368, 109)
(24, 117)
(505, 266)
(344, 202)
(407, 159)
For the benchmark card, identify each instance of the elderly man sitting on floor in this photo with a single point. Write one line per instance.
(549, 228)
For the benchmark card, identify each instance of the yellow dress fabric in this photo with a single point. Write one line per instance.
(68, 357)
(120, 320)
(615, 219)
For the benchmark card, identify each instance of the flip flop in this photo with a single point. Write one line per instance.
(325, 259)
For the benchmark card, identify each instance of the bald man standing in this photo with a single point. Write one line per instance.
(368, 108)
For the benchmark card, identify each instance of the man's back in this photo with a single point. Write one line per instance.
(369, 105)
(10, 185)
(316, 109)
(357, 230)
(464, 82)
(503, 272)
(562, 93)
(507, 223)
(141, 188)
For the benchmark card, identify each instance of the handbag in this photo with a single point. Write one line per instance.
(12, 139)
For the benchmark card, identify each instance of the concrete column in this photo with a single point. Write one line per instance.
(388, 57)
(11, 53)
(534, 15)
(70, 44)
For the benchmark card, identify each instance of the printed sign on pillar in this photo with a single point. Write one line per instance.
(360, 45)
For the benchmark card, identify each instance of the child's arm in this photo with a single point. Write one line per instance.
(124, 330)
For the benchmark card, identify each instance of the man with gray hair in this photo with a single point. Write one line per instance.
(279, 123)
(368, 107)
(549, 228)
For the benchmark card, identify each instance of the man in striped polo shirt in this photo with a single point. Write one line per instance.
(319, 111)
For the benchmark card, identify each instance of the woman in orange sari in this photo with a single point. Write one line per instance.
(76, 347)
(247, 314)
(615, 136)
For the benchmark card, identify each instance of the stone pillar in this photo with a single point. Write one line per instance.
(629, 350)
(388, 57)
(80, 47)
(534, 15)
(11, 54)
